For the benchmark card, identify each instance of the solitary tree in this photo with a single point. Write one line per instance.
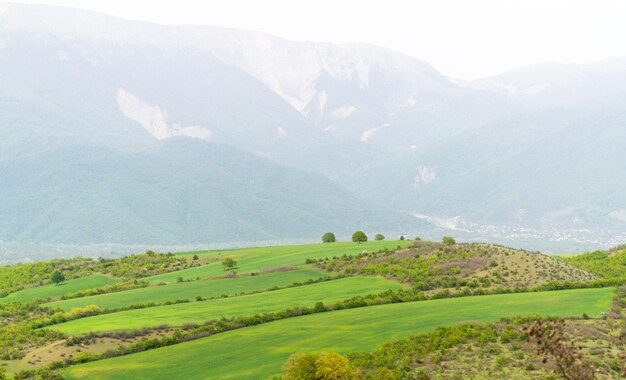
(57, 277)
(329, 237)
(359, 237)
(229, 263)
(379, 237)
(449, 240)
(401, 237)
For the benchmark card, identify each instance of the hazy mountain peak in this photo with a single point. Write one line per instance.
(296, 71)
(549, 84)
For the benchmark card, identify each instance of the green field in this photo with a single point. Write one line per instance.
(199, 312)
(258, 352)
(52, 291)
(189, 290)
(254, 259)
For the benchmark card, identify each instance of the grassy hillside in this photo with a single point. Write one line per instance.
(608, 264)
(495, 351)
(17, 277)
(250, 353)
(199, 312)
(371, 305)
(190, 290)
(429, 266)
(254, 259)
(52, 291)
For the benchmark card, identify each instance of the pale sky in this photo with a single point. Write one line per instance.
(461, 38)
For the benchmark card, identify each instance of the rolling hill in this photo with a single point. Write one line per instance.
(344, 297)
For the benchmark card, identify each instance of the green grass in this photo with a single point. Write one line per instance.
(189, 290)
(52, 291)
(198, 312)
(258, 352)
(254, 259)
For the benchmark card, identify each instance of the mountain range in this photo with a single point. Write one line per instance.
(117, 131)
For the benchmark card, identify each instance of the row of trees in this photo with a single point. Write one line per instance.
(357, 237)
(361, 237)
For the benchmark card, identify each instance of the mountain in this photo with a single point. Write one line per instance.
(173, 191)
(370, 136)
(109, 138)
(556, 84)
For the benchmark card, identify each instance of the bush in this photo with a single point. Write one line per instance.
(229, 263)
(379, 237)
(57, 277)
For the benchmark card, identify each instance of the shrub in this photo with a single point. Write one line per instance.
(57, 277)
(229, 263)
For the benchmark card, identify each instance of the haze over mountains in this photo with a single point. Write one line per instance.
(115, 131)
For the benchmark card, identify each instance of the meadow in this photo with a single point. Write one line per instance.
(258, 352)
(53, 291)
(190, 290)
(255, 259)
(199, 312)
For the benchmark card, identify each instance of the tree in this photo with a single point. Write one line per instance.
(333, 366)
(310, 366)
(229, 263)
(57, 277)
(449, 240)
(379, 237)
(328, 237)
(300, 366)
(359, 237)
(401, 237)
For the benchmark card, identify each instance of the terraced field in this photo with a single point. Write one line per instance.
(199, 312)
(51, 291)
(190, 290)
(258, 352)
(255, 259)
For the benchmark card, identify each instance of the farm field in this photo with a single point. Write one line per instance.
(50, 291)
(190, 290)
(247, 305)
(261, 350)
(254, 259)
